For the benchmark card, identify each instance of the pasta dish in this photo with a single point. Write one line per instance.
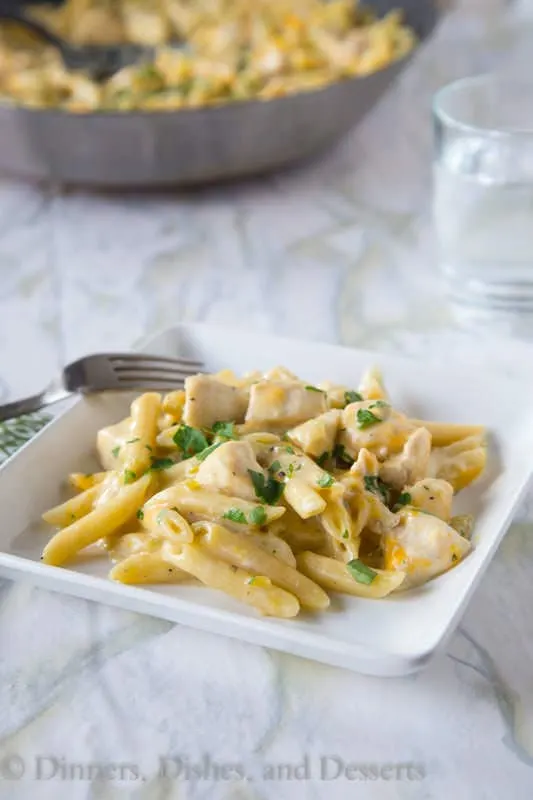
(205, 51)
(274, 491)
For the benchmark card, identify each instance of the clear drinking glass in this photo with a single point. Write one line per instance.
(483, 198)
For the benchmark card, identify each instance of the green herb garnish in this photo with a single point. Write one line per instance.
(267, 489)
(224, 430)
(314, 389)
(275, 467)
(379, 404)
(290, 450)
(208, 450)
(326, 480)
(161, 463)
(352, 397)
(252, 579)
(131, 441)
(403, 500)
(345, 535)
(115, 451)
(235, 515)
(140, 513)
(129, 476)
(258, 516)
(374, 484)
(360, 571)
(366, 418)
(321, 460)
(190, 440)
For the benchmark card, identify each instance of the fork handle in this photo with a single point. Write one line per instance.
(33, 403)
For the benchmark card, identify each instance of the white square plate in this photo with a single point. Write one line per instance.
(385, 637)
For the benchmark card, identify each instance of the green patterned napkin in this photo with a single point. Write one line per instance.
(16, 432)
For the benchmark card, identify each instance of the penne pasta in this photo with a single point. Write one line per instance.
(334, 575)
(140, 447)
(101, 521)
(322, 488)
(73, 509)
(237, 549)
(147, 568)
(253, 590)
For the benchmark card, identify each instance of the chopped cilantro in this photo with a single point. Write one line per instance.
(252, 579)
(115, 451)
(140, 513)
(360, 571)
(129, 476)
(258, 516)
(275, 467)
(235, 515)
(314, 389)
(379, 404)
(267, 489)
(326, 480)
(224, 430)
(345, 535)
(291, 469)
(161, 463)
(321, 460)
(190, 440)
(131, 441)
(290, 450)
(148, 447)
(403, 500)
(208, 450)
(374, 484)
(352, 397)
(366, 418)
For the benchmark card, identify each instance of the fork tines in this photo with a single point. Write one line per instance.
(136, 370)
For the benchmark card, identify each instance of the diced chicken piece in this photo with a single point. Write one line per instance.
(380, 518)
(423, 546)
(371, 386)
(281, 374)
(109, 442)
(283, 404)
(384, 436)
(317, 436)
(432, 495)
(463, 524)
(411, 464)
(208, 400)
(226, 470)
(459, 463)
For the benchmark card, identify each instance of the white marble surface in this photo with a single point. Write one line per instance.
(340, 251)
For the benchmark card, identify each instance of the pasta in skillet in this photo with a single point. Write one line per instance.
(204, 52)
(274, 491)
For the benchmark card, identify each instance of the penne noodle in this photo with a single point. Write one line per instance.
(101, 521)
(165, 521)
(213, 506)
(173, 404)
(82, 481)
(335, 576)
(73, 509)
(445, 433)
(139, 448)
(147, 568)
(256, 591)
(306, 501)
(237, 549)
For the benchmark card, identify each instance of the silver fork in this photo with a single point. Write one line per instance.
(116, 371)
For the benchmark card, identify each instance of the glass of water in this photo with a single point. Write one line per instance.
(483, 199)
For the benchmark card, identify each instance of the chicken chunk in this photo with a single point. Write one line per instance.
(208, 400)
(317, 436)
(278, 404)
(423, 546)
(432, 495)
(226, 470)
(411, 464)
(372, 424)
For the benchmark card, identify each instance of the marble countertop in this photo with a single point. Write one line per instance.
(341, 251)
